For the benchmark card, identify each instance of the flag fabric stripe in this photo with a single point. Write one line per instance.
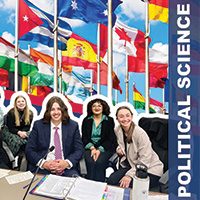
(4, 81)
(26, 65)
(163, 3)
(158, 12)
(139, 100)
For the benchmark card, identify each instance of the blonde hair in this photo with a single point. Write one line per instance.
(26, 114)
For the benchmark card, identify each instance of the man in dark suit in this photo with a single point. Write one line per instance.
(55, 129)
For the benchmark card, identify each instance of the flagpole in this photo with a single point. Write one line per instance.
(91, 83)
(147, 58)
(16, 45)
(163, 100)
(127, 79)
(110, 47)
(98, 61)
(55, 47)
(29, 79)
(116, 91)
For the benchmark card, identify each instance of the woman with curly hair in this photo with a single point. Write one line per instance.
(98, 138)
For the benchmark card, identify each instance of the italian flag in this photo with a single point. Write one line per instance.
(26, 66)
(139, 101)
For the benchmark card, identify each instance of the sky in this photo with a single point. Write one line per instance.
(130, 12)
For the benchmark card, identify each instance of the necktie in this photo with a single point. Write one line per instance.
(58, 152)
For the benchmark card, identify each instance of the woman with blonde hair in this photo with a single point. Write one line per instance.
(17, 125)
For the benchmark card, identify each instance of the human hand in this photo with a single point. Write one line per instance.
(49, 165)
(22, 134)
(125, 182)
(93, 151)
(61, 165)
(120, 151)
(96, 155)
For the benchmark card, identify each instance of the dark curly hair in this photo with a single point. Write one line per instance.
(106, 108)
(63, 107)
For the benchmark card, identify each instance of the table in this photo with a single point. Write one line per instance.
(16, 191)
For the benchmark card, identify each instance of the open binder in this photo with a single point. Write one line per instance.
(58, 187)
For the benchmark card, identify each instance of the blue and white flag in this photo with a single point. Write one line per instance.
(44, 33)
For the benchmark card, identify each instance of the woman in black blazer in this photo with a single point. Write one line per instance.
(98, 138)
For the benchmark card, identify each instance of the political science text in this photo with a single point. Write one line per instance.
(184, 101)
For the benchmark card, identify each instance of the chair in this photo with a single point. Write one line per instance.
(157, 130)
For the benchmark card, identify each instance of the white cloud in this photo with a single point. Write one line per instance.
(133, 9)
(161, 47)
(45, 5)
(8, 36)
(119, 63)
(11, 4)
(159, 53)
(7, 4)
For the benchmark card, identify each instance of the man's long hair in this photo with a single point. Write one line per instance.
(65, 116)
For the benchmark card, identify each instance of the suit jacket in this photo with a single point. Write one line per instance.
(139, 151)
(39, 141)
(108, 139)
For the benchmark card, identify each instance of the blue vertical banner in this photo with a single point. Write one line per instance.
(184, 99)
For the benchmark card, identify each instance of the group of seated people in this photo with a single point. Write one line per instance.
(99, 139)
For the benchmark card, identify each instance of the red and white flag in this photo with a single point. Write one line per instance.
(27, 19)
(125, 39)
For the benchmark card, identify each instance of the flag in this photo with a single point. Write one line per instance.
(139, 101)
(4, 81)
(126, 39)
(80, 52)
(82, 75)
(103, 76)
(71, 81)
(87, 10)
(41, 91)
(43, 33)
(45, 74)
(157, 67)
(158, 10)
(27, 19)
(26, 65)
(156, 82)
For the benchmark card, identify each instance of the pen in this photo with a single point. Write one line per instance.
(29, 183)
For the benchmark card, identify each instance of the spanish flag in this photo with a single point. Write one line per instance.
(80, 52)
(158, 10)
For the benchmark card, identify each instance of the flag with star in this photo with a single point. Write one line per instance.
(37, 25)
(87, 10)
(27, 19)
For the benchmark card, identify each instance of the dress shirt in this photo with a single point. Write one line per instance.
(51, 155)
